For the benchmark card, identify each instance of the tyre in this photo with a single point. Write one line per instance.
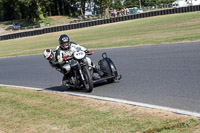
(88, 83)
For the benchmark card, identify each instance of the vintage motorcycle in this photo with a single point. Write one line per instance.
(81, 76)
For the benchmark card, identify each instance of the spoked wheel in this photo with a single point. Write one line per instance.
(88, 83)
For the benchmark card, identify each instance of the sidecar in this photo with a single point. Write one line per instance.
(109, 69)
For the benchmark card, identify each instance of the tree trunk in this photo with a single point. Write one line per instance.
(58, 8)
(82, 7)
(101, 5)
(69, 3)
(63, 8)
(50, 14)
(39, 12)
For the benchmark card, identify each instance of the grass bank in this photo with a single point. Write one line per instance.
(154, 30)
(24, 110)
(6, 26)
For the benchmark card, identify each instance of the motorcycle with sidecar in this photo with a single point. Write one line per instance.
(81, 76)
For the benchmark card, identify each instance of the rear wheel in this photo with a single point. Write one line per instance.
(88, 83)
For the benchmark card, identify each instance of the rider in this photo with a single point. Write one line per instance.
(66, 48)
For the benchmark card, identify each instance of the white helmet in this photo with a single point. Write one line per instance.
(47, 53)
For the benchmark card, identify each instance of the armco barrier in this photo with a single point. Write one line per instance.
(98, 22)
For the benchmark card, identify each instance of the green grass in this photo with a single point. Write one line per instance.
(29, 24)
(24, 110)
(154, 30)
(31, 111)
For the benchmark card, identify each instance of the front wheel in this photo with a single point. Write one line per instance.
(88, 83)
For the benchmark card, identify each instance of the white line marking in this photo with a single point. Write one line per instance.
(178, 111)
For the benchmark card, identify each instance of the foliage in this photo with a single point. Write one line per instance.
(35, 9)
(130, 3)
(38, 10)
(117, 4)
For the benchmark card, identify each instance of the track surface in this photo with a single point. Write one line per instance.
(164, 75)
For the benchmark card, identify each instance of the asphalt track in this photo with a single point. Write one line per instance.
(164, 75)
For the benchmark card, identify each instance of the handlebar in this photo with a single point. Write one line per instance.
(88, 52)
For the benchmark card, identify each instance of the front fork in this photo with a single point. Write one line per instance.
(81, 73)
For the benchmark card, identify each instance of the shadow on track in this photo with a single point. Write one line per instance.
(65, 88)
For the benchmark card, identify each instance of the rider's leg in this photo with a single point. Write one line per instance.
(65, 70)
(93, 66)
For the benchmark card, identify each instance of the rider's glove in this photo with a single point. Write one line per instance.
(88, 52)
(66, 58)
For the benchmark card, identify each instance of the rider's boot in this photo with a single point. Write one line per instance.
(99, 72)
(96, 72)
(64, 82)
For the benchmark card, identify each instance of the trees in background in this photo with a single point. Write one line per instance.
(37, 10)
(131, 3)
(105, 4)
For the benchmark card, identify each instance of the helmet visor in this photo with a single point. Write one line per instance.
(66, 44)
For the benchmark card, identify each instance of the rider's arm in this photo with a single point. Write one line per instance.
(53, 64)
(77, 47)
(59, 56)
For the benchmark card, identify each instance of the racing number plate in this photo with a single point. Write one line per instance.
(79, 55)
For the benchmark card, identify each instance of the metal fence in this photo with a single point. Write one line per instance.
(99, 22)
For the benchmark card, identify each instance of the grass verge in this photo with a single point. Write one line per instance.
(24, 110)
(154, 30)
